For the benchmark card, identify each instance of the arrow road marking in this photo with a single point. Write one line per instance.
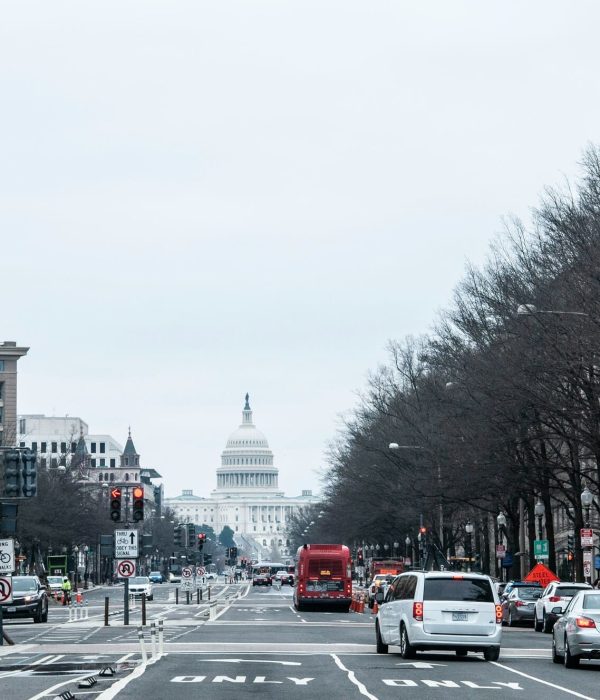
(256, 661)
(420, 664)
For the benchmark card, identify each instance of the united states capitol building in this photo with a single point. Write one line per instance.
(247, 497)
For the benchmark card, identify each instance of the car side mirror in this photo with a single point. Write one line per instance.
(557, 610)
(379, 597)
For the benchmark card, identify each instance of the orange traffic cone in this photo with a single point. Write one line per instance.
(375, 609)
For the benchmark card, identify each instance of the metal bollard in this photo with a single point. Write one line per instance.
(187, 597)
(86, 611)
(209, 593)
(106, 604)
(142, 645)
(201, 594)
(153, 638)
(176, 596)
(143, 609)
(161, 637)
(197, 596)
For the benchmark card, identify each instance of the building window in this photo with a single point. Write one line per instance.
(43, 447)
(33, 444)
(73, 447)
(103, 462)
(22, 421)
(21, 444)
(102, 448)
(54, 447)
(99, 477)
(126, 477)
(112, 476)
(126, 461)
(1, 365)
(93, 447)
(43, 462)
(63, 447)
(112, 462)
(1, 389)
(93, 463)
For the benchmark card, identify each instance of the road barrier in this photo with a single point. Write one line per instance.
(143, 609)
(106, 604)
(153, 638)
(212, 611)
(161, 637)
(142, 645)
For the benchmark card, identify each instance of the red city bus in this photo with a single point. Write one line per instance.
(323, 576)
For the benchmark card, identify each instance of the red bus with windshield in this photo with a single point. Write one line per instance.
(323, 576)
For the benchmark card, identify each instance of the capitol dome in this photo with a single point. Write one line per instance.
(247, 461)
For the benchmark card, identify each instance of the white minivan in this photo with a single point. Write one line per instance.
(428, 610)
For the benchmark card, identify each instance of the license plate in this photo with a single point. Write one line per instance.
(11, 610)
(460, 617)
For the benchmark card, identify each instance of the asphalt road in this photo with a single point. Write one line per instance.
(256, 644)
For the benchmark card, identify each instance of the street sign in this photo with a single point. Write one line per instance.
(186, 585)
(187, 572)
(5, 589)
(541, 549)
(126, 568)
(7, 556)
(542, 574)
(500, 551)
(597, 562)
(126, 544)
(200, 571)
(587, 537)
(407, 561)
(507, 562)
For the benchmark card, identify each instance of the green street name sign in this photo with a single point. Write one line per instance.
(541, 549)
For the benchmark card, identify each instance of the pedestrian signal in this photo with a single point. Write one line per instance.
(115, 504)
(138, 504)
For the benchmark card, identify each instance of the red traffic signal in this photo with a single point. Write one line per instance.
(115, 504)
(138, 503)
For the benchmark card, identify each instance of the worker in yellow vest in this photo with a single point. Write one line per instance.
(66, 591)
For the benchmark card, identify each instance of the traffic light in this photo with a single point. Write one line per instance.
(570, 556)
(207, 559)
(359, 558)
(29, 459)
(146, 543)
(137, 511)
(178, 535)
(570, 542)
(115, 504)
(13, 479)
(233, 553)
(191, 535)
(201, 541)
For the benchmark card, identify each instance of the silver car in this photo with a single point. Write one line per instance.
(576, 634)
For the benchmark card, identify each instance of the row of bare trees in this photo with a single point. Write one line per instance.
(497, 410)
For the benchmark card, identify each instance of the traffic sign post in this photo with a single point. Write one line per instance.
(7, 556)
(126, 569)
(500, 551)
(126, 544)
(587, 537)
(5, 597)
(587, 565)
(187, 572)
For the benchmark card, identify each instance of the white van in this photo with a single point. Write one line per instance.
(427, 610)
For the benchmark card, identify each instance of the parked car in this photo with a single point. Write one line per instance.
(519, 606)
(139, 585)
(174, 578)
(29, 599)
(576, 634)
(211, 576)
(379, 582)
(155, 577)
(424, 610)
(262, 580)
(556, 595)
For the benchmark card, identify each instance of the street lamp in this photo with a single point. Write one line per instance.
(396, 545)
(501, 520)
(86, 551)
(386, 546)
(539, 511)
(469, 531)
(587, 498)
(407, 543)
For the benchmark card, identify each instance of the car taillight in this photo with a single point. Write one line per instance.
(519, 603)
(554, 599)
(418, 611)
(585, 622)
(498, 614)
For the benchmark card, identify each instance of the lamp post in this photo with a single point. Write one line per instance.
(86, 551)
(386, 546)
(587, 499)
(75, 567)
(539, 514)
(501, 520)
(469, 531)
(396, 545)
(407, 543)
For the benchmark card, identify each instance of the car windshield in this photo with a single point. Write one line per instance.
(155, 573)
(54, 579)
(463, 589)
(567, 591)
(591, 601)
(22, 584)
(139, 580)
(529, 593)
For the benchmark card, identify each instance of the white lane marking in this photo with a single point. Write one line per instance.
(257, 661)
(540, 680)
(43, 660)
(352, 678)
(117, 687)
(124, 658)
(49, 691)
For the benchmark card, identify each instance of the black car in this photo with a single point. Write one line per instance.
(29, 599)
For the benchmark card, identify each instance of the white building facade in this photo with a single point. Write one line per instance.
(247, 497)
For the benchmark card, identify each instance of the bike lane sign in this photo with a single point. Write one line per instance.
(7, 556)
(5, 589)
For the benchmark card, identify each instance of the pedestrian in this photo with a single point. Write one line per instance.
(66, 591)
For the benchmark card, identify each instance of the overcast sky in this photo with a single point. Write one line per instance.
(199, 199)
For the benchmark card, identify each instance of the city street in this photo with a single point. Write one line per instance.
(258, 643)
